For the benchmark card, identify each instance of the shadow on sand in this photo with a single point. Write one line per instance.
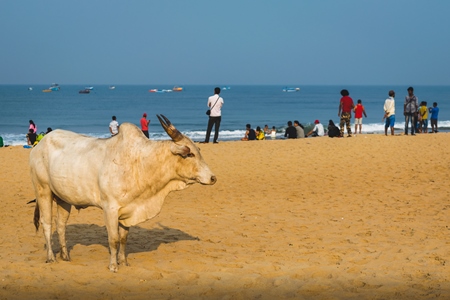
(139, 239)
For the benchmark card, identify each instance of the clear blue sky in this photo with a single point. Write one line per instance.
(286, 42)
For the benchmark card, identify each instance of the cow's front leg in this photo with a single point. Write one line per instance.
(112, 226)
(61, 221)
(123, 235)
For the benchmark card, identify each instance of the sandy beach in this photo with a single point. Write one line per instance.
(365, 217)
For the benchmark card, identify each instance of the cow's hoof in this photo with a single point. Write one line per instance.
(113, 268)
(65, 257)
(51, 260)
(124, 263)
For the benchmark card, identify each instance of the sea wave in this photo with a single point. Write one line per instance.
(13, 139)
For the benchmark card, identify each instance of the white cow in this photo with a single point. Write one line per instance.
(128, 176)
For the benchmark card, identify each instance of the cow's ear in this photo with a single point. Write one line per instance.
(183, 151)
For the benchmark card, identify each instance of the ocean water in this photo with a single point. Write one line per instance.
(90, 114)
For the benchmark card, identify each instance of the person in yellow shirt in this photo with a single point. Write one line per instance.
(423, 117)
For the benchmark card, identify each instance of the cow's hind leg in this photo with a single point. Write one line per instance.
(61, 220)
(44, 201)
(112, 226)
(123, 235)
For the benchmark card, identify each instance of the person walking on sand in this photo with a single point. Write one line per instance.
(345, 112)
(114, 126)
(215, 104)
(410, 110)
(359, 111)
(389, 113)
(144, 124)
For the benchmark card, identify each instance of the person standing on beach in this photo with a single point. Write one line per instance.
(144, 124)
(114, 126)
(33, 126)
(389, 112)
(434, 111)
(410, 110)
(423, 117)
(215, 104)
(359, 111)
(345, 112)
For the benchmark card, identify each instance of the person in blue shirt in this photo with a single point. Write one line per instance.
(434, 111)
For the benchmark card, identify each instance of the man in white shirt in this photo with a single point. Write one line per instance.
(317, 130)
(389, 112)
(215, 104)
(114, 126)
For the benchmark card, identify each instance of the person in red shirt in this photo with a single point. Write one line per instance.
(144, 124)
(359, 111)
(345, 112)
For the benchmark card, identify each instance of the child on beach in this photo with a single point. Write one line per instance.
(359, 111)
(434, 111)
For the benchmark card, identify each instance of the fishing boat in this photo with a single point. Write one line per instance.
(159, 91)
(177, 89)
(85, 91)
(54, 87)
(290, 90)
(89, 88)
(30, 88)
(112, 87)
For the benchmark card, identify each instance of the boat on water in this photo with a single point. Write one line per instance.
(85, 91)
(159, 91)
(89, 88)
(30, 88)
(290, 90)
(177, 89)
(112, 87)
(54, 87)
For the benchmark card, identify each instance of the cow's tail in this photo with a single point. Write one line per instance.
(37, 216)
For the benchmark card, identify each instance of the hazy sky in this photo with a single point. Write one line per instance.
(286, 42)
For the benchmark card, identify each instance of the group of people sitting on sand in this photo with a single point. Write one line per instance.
(33, 137)
(258, 134)
(293, 131)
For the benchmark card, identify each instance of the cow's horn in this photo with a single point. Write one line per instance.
(170, 129)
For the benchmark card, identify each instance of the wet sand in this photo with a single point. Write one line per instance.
(365, 217)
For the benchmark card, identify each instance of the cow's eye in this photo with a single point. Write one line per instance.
(190, 154)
